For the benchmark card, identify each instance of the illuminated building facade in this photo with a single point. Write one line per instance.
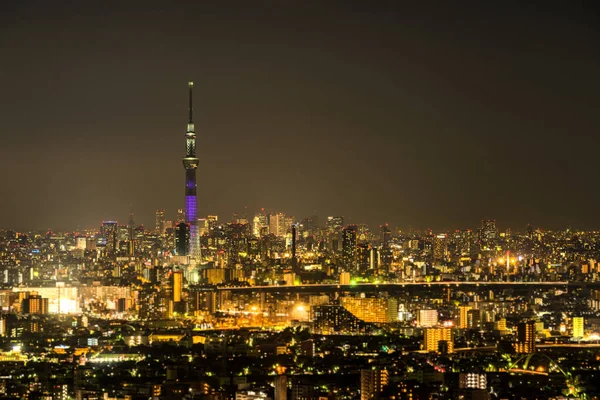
(427, 318)
(472, 380)
(463, 313)
(190, 163)
(438, 340)
(330, 319)
(277, 224)
(525, 337)
(35, 304)
(372, 309)
(440, 247)
(578, 327)
(260, 225)
(177, 285)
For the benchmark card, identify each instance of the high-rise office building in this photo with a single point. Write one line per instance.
(277, 224)
(440, 247)
(109, 234)
(375, 263)
(525, 337)
(160, 222)
(362, 257)
(213, 222)
(489, 231)
(386, 248)
(462, 242)
(349, 246)
(190, 163)
(310, 224)
(438, 340)
(334, 224)
(182, 239)
(260, 224)
(131, 240)
(180, 217)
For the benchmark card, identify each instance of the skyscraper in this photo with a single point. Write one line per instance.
(190, 163)
(334, 224)
(277, 224)
(182, 239)
(349, 246)
(440, 247)
(260, 224)
(108, 231)
(386, 249)
(160, 221)
(489, 232)
(131, 234)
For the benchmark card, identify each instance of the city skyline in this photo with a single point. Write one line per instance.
(446, 122)
(378, 200)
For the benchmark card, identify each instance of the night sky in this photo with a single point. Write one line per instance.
(381, 112)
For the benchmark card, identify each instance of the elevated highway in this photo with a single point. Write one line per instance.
(406, 286)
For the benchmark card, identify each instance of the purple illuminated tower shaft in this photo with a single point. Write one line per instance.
(190, 163)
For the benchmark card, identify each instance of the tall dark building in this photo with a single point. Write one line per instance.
(525, 337)
(489, 232)
(160, 222)
(108, 231)
(190, 163)
(362, 257)
(131, 234)
(294, 257)
(349, 244)
(182, 239)
(386, 248)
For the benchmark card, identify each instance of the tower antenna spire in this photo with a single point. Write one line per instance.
(191, 108)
